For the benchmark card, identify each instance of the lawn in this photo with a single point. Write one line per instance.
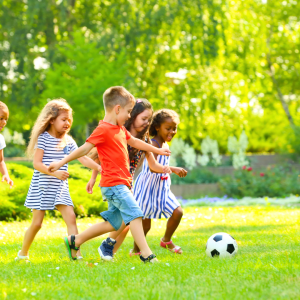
(266, 267)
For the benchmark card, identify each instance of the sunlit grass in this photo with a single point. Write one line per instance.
(266, 266)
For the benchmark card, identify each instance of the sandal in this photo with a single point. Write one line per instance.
(70, 247)
(176, 249)
(131, 253)
(150, 259)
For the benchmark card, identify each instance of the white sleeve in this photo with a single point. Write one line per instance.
(2, 142)
(41, 144)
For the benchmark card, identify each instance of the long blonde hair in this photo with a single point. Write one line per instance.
(50, 112)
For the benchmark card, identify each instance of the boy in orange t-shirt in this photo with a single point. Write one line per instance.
(111, 139)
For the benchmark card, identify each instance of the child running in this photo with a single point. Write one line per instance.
(50, 141)
(138, 126)
(152, 191)
(111, 139)
(4, 114)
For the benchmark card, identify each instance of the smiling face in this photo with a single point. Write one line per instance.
(63, 122)
(123, 113)
(4, 114)
(142, 120)
(167, 129)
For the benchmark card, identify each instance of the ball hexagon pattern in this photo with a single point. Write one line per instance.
(221, 245)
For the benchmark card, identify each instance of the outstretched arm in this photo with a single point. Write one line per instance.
(89, 163)
(91, 183)
(155, 166)
(81, 151)
(138, 144)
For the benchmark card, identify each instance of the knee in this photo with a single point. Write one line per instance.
(72, 217)
(147, 226)
(178, 212)
(36, 225)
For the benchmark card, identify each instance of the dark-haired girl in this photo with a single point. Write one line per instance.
(138, 126)
(152, 191)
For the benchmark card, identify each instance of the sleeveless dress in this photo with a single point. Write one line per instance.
(153, 193)
(45, 191)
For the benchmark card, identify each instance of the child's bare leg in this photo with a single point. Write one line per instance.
(90, 233)
(172, 225)
(69, 217)
(146, 227)
(35, 226)
(119, 236)
(136, 228)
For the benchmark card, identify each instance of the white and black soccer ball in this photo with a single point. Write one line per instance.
(221, 245)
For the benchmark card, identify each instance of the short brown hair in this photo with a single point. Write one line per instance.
(3, 106)
(159, 117)
(116, 95)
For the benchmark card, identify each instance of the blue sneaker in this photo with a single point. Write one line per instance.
(106, 249)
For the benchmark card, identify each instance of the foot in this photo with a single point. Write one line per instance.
(71, 246)
(170, 246)
(106, 249)
(151, 258)
(22, 257)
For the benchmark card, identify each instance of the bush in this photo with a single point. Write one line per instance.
(12, 200)
(276, 182)
(197, 175)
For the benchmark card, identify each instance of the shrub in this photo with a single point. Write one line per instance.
(197, 175)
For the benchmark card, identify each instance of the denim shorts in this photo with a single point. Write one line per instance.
(121, 206)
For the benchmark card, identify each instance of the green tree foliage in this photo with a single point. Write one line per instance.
(225, 66)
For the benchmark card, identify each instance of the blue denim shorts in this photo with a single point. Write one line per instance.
(121, 206)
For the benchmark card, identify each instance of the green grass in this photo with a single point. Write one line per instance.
(266, 266)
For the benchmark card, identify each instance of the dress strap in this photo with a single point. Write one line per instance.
(156, 142)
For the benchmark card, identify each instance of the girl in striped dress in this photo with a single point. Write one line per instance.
(152, 190)
(49, 142)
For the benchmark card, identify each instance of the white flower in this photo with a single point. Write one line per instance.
(41, 63)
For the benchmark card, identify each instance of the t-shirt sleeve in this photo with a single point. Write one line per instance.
(2, 142)
(73, 146)
(41, 143)
(127, 134)
(97, 137)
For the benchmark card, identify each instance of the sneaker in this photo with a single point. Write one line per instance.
(106, 249)
(21, 257)
(151, 258)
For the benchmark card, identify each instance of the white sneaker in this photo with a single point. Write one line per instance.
(21, 257)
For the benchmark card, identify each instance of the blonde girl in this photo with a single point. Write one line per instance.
(50, 142)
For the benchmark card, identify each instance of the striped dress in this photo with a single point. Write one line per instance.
(153, 194)
(45, 191)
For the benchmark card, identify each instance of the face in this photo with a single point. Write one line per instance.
(142, 120)
(4, 114)
(63, 122)
(123, 113)
(167, 129)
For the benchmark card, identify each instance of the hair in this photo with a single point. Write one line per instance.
(3, 106)
(159, 117)
(116, 95)
(140, 106)
(50, 112)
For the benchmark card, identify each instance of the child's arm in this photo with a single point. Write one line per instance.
(3, 170)
(41, 167)
(89, 163)
(81, 151)
(91, 183)
(155, 166)
(138, 144)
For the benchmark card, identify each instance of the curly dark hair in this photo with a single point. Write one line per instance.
(159, 117)
(140, 106)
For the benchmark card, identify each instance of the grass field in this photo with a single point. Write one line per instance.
(267, 265)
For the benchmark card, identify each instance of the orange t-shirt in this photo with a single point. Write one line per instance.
(111, 143)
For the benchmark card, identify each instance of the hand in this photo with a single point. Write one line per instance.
(167, 170)
(8, 180)
(163, 151)
(62, 175)
(54, 166)
(90, 185)
(99, 169)
(181, 172)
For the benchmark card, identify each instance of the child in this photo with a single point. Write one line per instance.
(111, 138)
(50, 141)
(152, 191)
(138, 126)
(4, 114)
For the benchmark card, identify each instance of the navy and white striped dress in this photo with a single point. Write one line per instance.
(153, 194)
(45, 191)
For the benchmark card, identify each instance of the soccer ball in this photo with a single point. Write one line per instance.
(221, 245)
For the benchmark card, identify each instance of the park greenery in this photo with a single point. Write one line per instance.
(224, 66)
(265, 267)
